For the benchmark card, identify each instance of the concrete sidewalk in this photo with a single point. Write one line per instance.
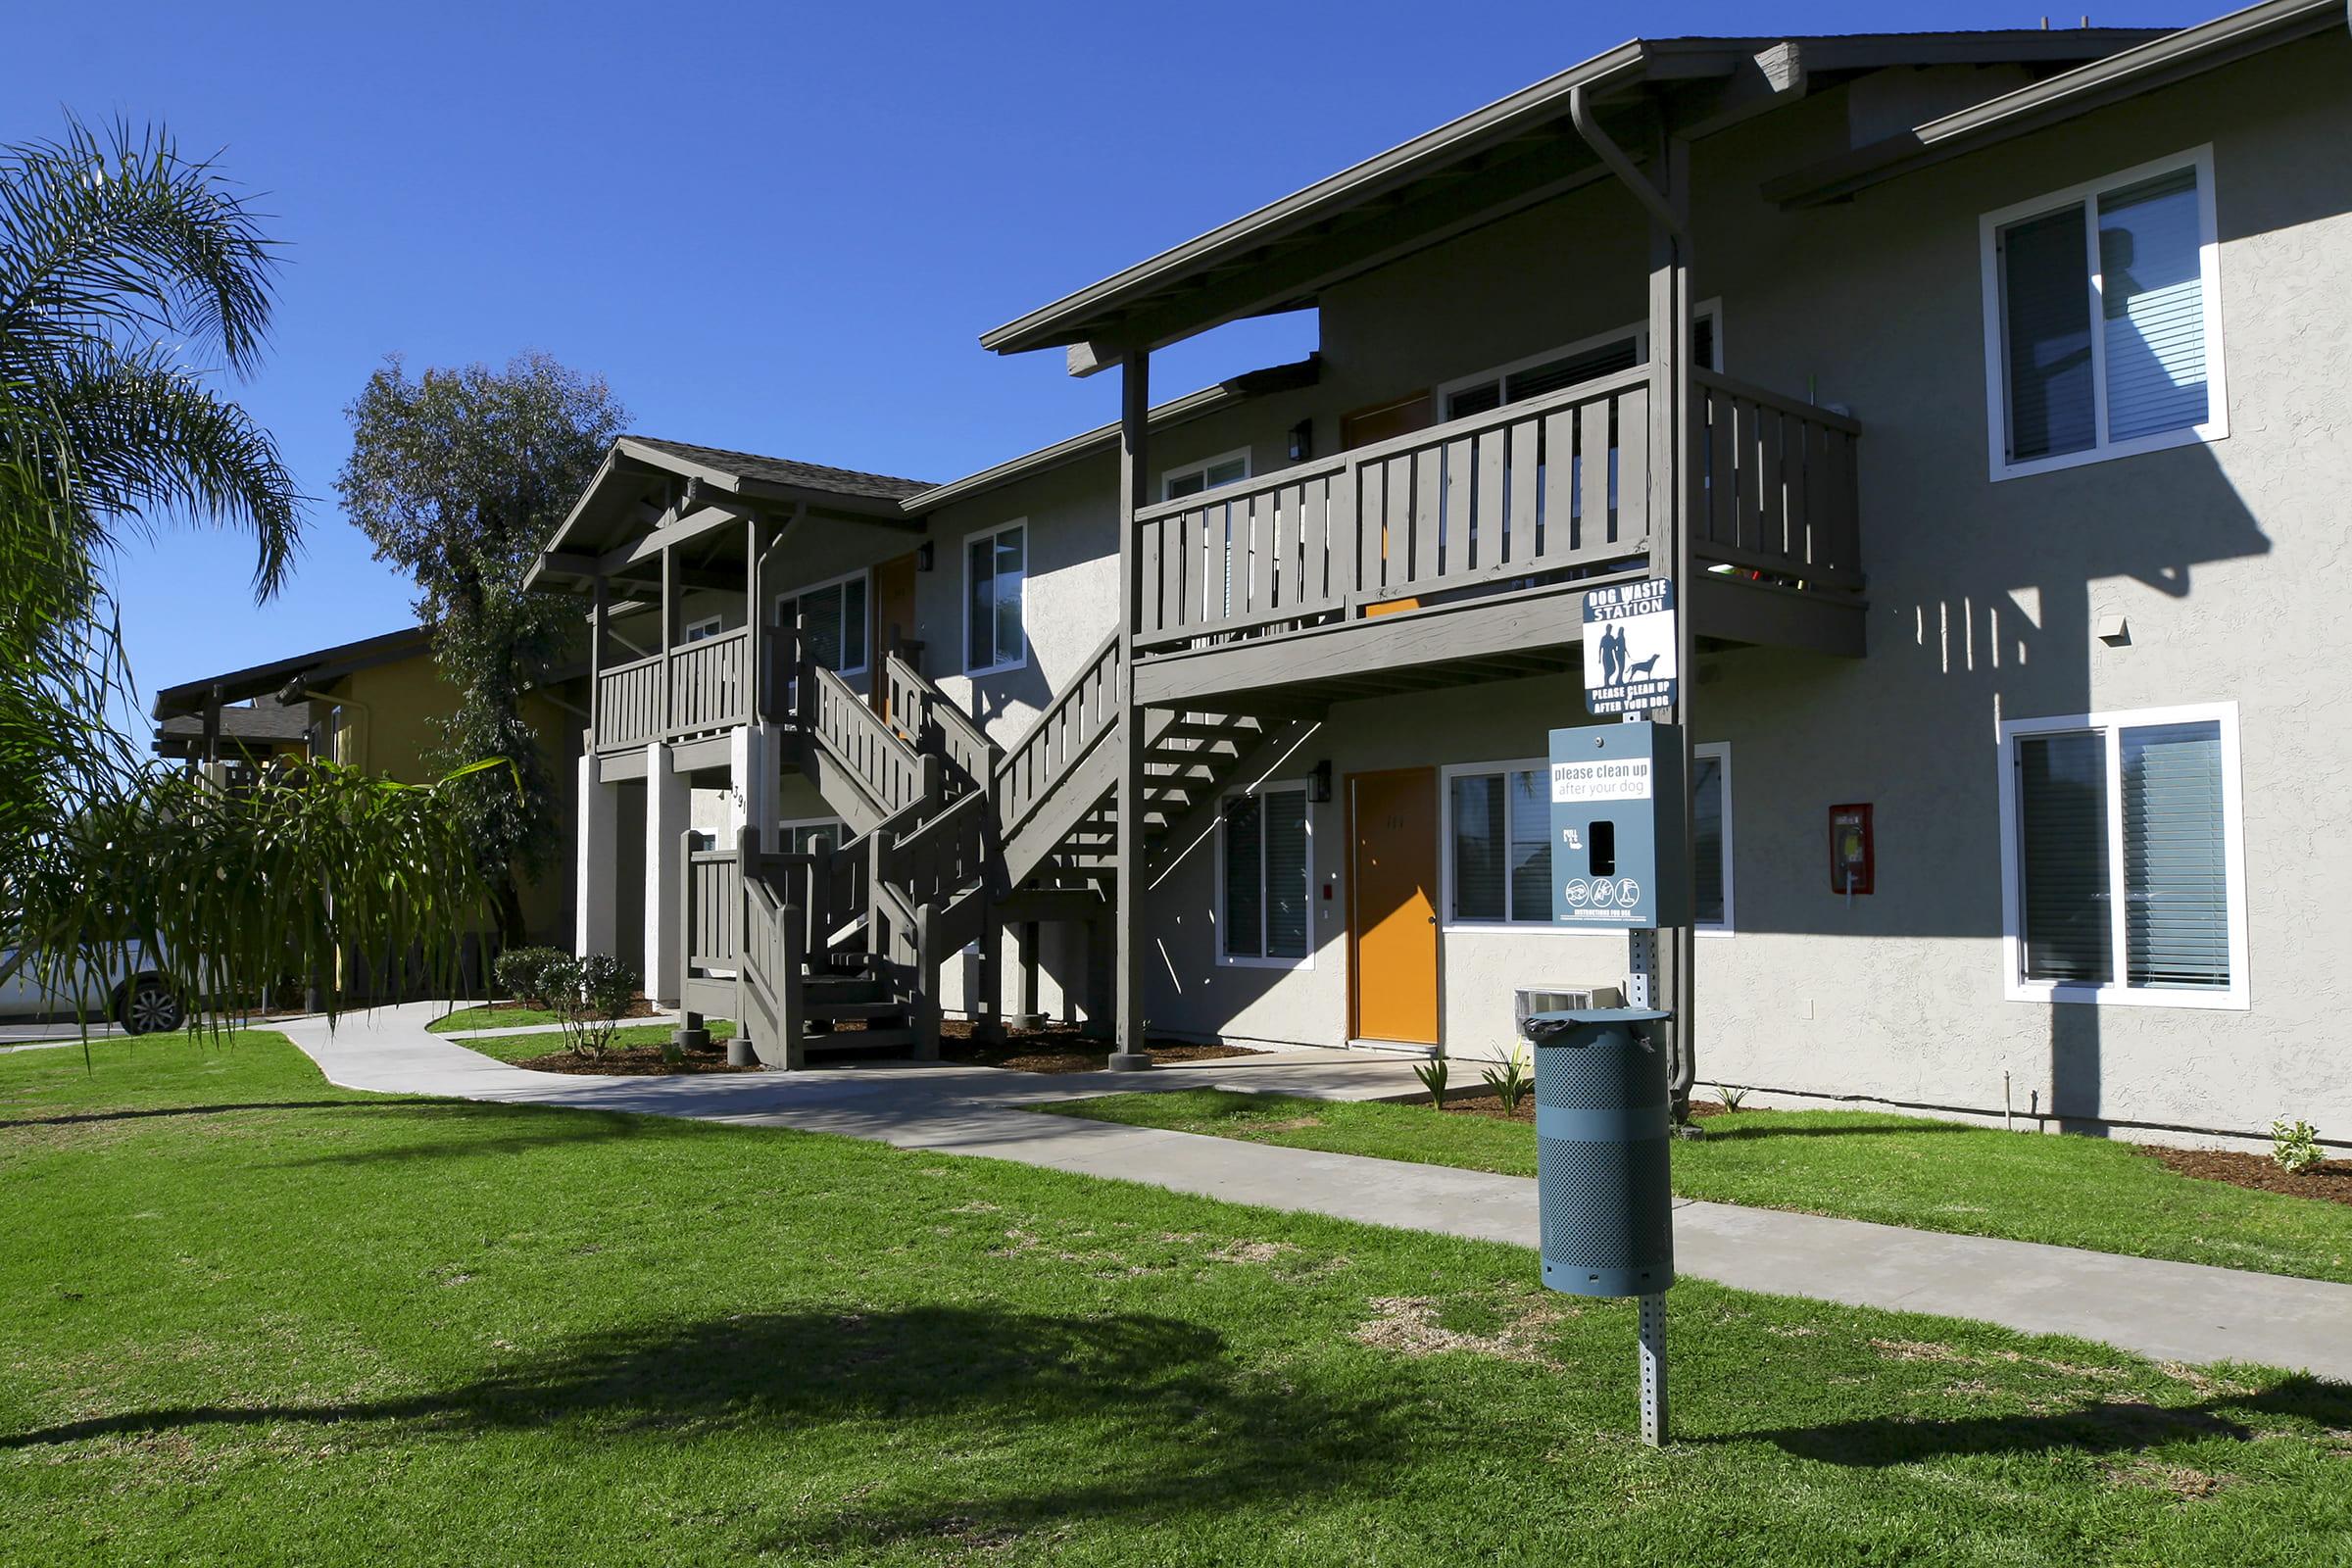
(2172, 1311)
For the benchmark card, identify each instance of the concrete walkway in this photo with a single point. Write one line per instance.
(2172, 1311)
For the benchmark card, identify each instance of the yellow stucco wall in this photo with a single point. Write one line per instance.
(388, 727)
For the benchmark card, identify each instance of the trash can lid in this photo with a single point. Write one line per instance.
(1559, 1028)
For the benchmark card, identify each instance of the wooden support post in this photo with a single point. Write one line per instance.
(1026, 1014)
(597, 617)
(791, 993)
(669, 633)
(1129, 1053)
(1676, 474)
(928, 940)
(987, 1008)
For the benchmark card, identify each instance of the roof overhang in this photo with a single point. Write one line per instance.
(2173, 58)
(1164, 416)
(1491, 162)
(315, 668)
(613, 530)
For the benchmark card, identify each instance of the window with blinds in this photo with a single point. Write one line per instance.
(2103, 343)
(832, 621)
(1556, 373)
(996, 573)
(2122, 856)
(1498, 840)
(1267, 875)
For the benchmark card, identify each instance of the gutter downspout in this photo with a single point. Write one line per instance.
(1612, 157)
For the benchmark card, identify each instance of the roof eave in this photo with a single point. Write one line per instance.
(2160, 63)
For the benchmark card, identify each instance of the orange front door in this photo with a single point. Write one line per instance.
(1393, 922)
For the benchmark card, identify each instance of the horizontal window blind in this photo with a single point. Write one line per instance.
(2176, 870)
(1531, 846)
(2153, 299)
(1706, 848)
(1286, 898)
(2062, 858)
(1245, 863)
(1477, 809)
(2045, 318)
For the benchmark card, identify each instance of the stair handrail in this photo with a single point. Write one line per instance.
(943, 856)
(1030, 768)
(772, 942)
(936, 721)
(892, 772)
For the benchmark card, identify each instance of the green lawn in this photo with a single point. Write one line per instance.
(541, 1043)
(491, 1018)
(1901, 1170)
(252, 1318)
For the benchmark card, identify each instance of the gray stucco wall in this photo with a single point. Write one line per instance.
(2228, 559)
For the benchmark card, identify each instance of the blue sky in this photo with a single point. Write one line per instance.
(779, 227)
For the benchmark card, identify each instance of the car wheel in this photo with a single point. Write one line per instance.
(150, 1008)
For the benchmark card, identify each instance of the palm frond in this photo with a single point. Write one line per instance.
(144, 436)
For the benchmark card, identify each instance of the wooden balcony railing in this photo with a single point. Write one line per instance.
(708, 688)
(1538, 490)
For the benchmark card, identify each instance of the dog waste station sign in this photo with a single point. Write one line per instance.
(1629, 648)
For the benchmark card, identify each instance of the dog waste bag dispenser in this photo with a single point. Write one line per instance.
(1617, 855)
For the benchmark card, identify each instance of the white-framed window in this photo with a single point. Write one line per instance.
(995, 572)
(810, 834)
(1227, 467)
(832, 617)
(707, 626)
(1587, 358)
(2103, 319)
(1266, 878)
(1497, 843)
(2122, 860)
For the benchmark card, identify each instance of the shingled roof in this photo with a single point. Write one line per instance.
(785, 471)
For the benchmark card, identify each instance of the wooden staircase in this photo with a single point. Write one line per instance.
(846, 947)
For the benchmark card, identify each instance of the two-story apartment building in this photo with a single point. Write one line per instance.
(1984, 394)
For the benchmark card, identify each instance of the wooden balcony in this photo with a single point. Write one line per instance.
(695, 689)
(1470, 544)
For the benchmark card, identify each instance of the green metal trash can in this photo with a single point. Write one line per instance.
(1602, 1167)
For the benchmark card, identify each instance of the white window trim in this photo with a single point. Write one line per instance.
(1168, 476)
(2119, 993)
(1997, 348)
(1448, 925)
(705, 627)
(866, 643)
(1004, 667)
(1229, 961)
(785, 827)
(1639, 331)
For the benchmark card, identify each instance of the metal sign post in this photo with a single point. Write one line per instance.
(1652, 1313)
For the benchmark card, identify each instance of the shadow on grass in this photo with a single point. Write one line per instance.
(2110, 1426)
(537, 1127)
(1133, 1416)
(1906, 1129)
(80, 1118)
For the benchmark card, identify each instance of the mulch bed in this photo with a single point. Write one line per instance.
(634, 1061)
(1059, 1050)
(2329, 1179)
(1481, 1102)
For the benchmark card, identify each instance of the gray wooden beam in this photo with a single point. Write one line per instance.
(1130, 1051)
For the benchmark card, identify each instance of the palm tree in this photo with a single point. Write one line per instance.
(130, 276)
(128, 271)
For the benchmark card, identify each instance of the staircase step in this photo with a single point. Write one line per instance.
(846, 989)
(897, 1039)
(823, 1006)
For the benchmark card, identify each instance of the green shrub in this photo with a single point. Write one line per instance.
(588, 995)
(1512, 1082)
(1731, 1096)
(1432, 1074)
(2295, 1146)
(523, 973)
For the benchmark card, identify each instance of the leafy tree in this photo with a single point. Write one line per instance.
(459, 477)
(129, 275)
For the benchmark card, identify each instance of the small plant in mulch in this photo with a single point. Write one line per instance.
(1512, 1082)
(1731, 1095)
(2327, 1178)
(1432, 1074)
(2295, 1146)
